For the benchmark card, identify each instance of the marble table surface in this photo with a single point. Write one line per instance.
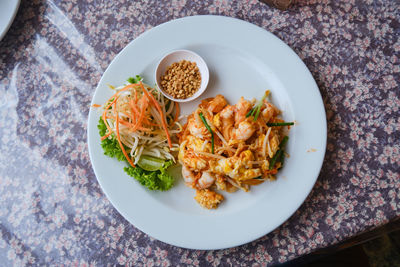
(53, 211)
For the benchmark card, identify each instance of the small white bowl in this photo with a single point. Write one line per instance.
(177, 56)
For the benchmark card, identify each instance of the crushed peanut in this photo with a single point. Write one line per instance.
(182, 79)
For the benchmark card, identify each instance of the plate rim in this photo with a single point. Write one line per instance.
(11, 19)
(320, 104)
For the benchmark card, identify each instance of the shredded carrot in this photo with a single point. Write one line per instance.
(129, 124)
(143, 107)
(119, 139)
(123, 89)
(96, 105)
(133, 107)
(164, 123)
(126, 123)
(105, 136)
(105, 120)
(105, 110)
(148, 122)
(177, 112)
(132, 125)
(135, 113)
(136, 96)
(137, 117)
(144, 129)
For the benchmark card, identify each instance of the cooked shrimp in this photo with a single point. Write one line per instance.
(188, 175)
(187, 157)
(244, 131)
(196, 126)
(217, 104)
(206, 180)
(242, 107)
(227, 117)
(269, 111)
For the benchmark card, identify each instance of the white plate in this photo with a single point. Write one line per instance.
(8, 10)
(244, 60)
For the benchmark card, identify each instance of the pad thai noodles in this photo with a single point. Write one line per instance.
(228, 147)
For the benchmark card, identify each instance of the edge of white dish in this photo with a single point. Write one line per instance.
(14, 9)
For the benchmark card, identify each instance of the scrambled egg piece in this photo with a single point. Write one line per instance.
(217, 121)
(237, 167)
(197, 144)
(208, 199)
(274, 144)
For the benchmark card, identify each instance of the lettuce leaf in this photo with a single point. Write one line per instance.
(153, 180)
(135, 79)
(110, 145)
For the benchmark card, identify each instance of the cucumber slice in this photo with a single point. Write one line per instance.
(150, 163)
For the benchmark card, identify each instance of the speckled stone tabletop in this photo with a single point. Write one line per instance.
(53, 211)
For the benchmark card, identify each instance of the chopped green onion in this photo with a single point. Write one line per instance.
(282, 148)
(274, 158)
(282, 159)
(249, 113)
(283, 142)
(270, 124)
(279, 154)
(255, 111)
(209, 129)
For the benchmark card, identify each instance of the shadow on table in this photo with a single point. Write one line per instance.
(377, 248)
